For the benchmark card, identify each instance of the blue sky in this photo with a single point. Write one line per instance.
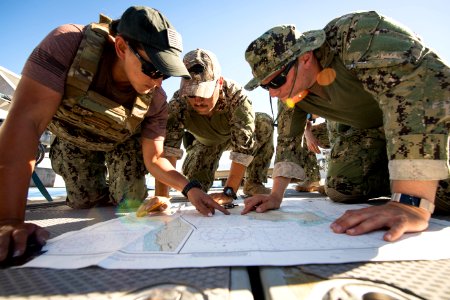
(224, 27)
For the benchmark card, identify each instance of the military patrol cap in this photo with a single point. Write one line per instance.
(204, 69)
(160, 40)
(276, 48)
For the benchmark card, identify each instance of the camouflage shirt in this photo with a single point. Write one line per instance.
(233, 120)
(381, 72)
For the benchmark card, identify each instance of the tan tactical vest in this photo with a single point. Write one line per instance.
(86, 118)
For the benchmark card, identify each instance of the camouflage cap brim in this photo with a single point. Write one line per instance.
(252, 84)
(197, 89)
(276, 48)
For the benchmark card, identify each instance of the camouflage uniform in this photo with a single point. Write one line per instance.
(84, 173)
(395, 96)
(311, 164)
(304, 157)
(357, 166)
(233, 126)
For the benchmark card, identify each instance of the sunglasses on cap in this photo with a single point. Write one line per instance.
(196, 69)
(148, 68)
(279, 80)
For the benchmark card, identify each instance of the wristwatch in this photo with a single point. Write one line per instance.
(229, 192)
(414, 201)
(192, 184)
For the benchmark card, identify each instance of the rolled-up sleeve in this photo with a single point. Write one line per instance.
(288, 158)
(415, 100)
(242, 126)
(411, 84)
(175, 127)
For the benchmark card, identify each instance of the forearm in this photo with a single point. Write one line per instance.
(13, 194)
(32, 108)
(418, 188)
(162, 189)
(17, 157)
(164, 172)
(280, 184)
(159, 166)
(235, 176)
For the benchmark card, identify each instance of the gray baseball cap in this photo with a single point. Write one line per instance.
(161, 42)
(277, 47)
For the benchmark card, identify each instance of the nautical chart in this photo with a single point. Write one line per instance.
(297, 233)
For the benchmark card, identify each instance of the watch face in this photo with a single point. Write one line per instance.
(228, 191)
(410, 200)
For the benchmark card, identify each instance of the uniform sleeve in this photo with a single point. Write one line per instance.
(242, 124)
(175, 127)
(50, 61)
(369, 40)
(410, 84)
(154, 125)
(288, 158)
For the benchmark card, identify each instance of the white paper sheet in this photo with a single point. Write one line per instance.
(296, 234)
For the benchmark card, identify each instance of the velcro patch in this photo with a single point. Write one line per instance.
(174, 39)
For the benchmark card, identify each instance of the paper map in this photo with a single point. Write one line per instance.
(297, 233)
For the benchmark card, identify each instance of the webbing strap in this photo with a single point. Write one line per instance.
(41, 187)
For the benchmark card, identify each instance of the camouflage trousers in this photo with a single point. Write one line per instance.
(85, 173)
(202, 161)
(358, 166)
(311, 165)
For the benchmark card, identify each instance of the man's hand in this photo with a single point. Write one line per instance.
(399, 218)
(204, 203)
(155, 204)
(311, 141)
(221, 198)
(14, 236)
(261, 203)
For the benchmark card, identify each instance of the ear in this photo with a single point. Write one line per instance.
(121, 47)
(220, 82)
(308, 60)
(306, 57)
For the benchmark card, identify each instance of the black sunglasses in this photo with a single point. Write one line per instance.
(279, 80)
(148, 68)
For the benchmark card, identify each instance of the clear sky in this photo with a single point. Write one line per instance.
(224, 27)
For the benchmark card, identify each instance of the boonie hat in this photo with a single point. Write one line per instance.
(161, 42)
(204, 69)
(276, 48)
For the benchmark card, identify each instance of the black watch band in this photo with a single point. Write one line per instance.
(192, 184)
(229, 192)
